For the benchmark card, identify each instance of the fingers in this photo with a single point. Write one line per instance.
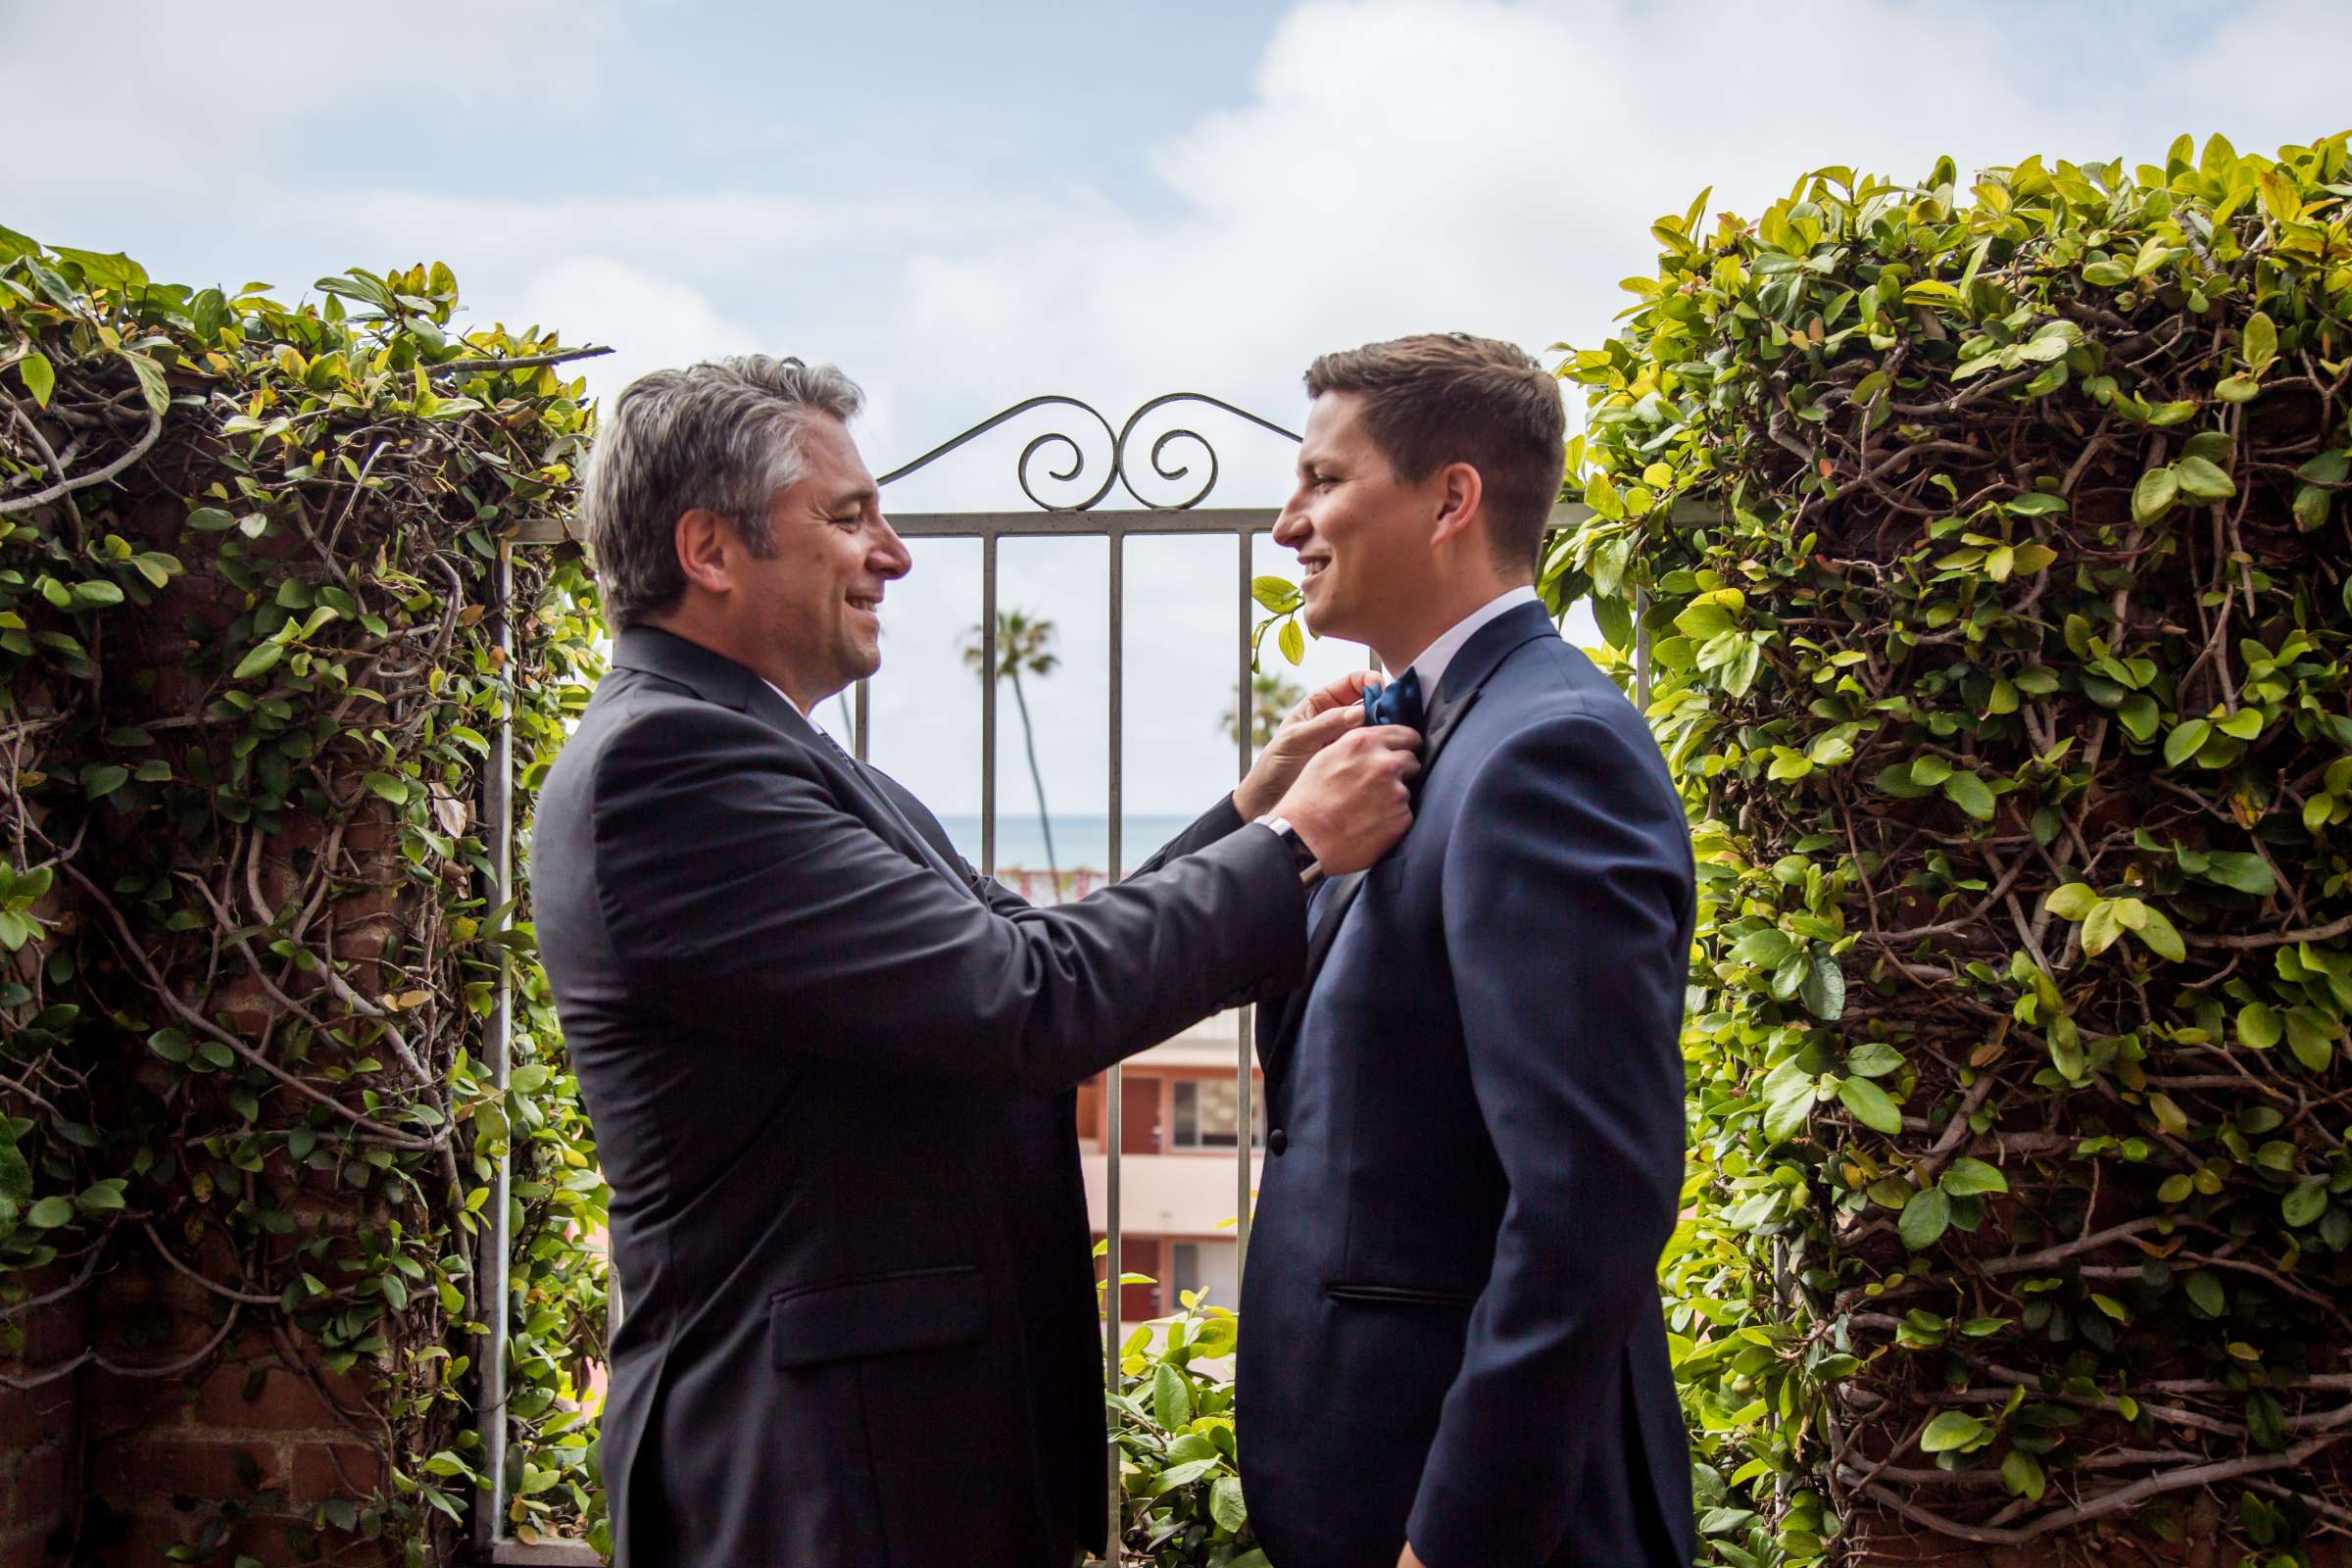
(1399, 739)
(1347, 691)
(1323, 728)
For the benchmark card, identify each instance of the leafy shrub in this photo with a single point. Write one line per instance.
(1993, 539)
(1172, 1420)
(248, 680)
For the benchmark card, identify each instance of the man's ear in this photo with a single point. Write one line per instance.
(707, 544)
(1459, 492)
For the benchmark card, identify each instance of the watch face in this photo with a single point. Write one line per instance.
(1302, 856)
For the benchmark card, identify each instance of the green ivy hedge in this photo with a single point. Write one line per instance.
(1990, 538)
(249, 680)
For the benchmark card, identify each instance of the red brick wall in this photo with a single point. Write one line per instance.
(42, 1428)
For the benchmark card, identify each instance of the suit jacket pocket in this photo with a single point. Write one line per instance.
(910, 1309)
(1400, 1295)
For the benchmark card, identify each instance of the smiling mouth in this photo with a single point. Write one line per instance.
(1312, 569)
(871, 606)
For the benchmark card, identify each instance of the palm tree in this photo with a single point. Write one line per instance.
(1024, 643)
(1270, 698)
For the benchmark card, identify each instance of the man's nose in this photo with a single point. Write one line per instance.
(1291, 529)
(892, 559)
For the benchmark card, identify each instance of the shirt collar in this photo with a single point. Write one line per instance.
(1433, 660)
(787, 696)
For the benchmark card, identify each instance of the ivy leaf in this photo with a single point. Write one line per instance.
(2265, 1423)
(1873, 1059)
(2205, 1294)
(1968, 1177)
(1703, 621)
(1171, 1399)
(50, 1212)
(2154, 495)
(101, 1196)
(2157, 932)
(1767, 949)
(2186, 740)
(2199, 478)
(2311, 1036)
(1929, 770)
(1823, 990)
(1291, 641)
(1925, 1218)
(2100, 929)
(1971, 794)
(2259, 1027)
(1952, 1430)
(150, 376)
(1275, 594)
(2073, 902)
(2303, 1203)
(16, 1174)
(259, 660)
(1871, 1105)
(2022, 1475)
(1225, 1504)
(2259, 342)
(41, 376)
(2236, 868)
(1789, 1098)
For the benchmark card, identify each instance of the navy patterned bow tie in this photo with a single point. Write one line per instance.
(1396, 703)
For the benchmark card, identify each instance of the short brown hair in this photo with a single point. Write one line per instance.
(1447, 397)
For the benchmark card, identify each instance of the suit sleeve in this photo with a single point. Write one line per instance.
(1566, 893)
(741, 902)
(1211, 825)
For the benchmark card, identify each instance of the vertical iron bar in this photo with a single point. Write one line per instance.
(495, 1306)
(864, 719)
(1642, 650)
(988, 704)
(1245, 711)
(1114, 1082)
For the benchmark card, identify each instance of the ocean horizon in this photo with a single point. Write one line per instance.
(1080, 843)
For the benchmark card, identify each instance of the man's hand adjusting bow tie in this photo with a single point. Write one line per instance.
(1319, 719)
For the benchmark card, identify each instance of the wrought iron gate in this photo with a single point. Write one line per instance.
(1166, 466)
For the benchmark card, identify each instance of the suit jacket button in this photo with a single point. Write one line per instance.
(1277, 1141)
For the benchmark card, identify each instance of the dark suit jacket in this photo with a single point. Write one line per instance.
(1449, 1311)
(830, 1070)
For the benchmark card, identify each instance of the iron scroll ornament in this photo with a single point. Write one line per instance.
(1121, 472)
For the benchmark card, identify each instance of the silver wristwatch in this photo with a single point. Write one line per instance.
(1303, 859)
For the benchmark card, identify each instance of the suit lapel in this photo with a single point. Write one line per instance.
(1448, 716)
(717, 678)
(1465, 678)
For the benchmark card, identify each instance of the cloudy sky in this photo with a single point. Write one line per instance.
(966, 205)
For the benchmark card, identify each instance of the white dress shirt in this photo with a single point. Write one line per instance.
(1430, 664)
(814, 722)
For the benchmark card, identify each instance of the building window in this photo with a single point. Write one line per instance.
(1184, 1269)
(1210, 1268)
(1206, 1114)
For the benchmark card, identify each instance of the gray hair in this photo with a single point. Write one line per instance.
(724, 436)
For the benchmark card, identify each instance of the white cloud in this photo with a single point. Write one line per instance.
(1396, 166)
(156, 93)
(1416, 164)
(647, 319)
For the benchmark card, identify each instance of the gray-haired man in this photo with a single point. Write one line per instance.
(831, 1067)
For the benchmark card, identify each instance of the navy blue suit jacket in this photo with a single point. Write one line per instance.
(1449, 1309)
